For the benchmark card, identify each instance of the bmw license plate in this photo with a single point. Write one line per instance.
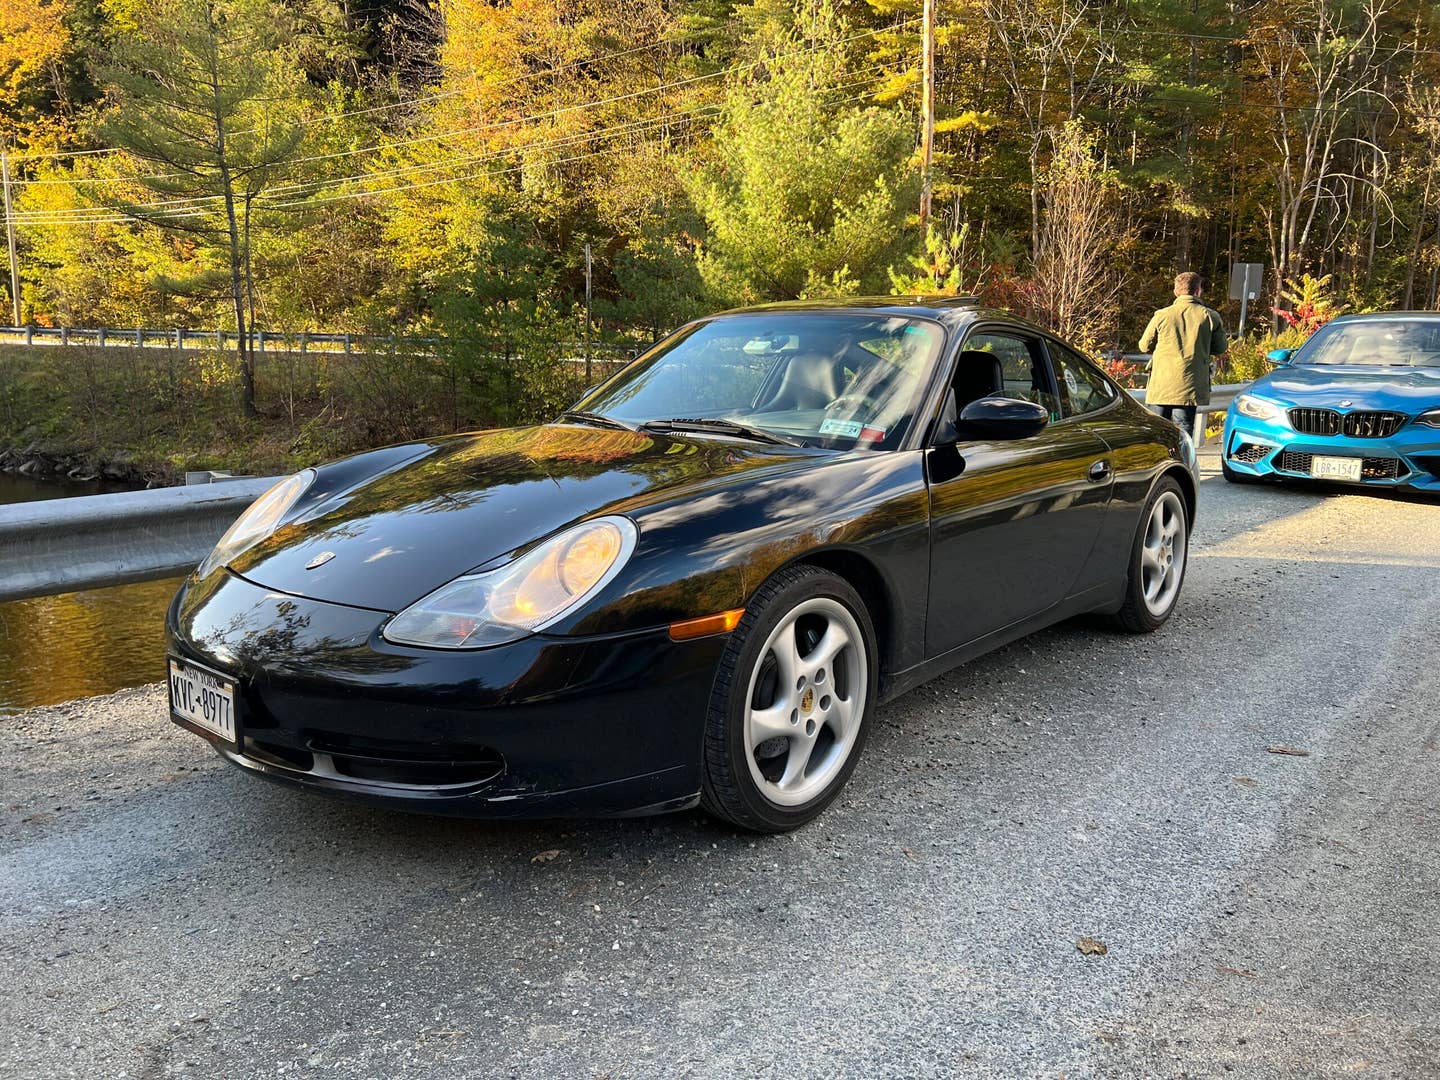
(1335, 468)
(203, 700)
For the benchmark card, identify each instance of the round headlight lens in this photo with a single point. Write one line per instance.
(521, 597)
(259, 520)
(1257, 408)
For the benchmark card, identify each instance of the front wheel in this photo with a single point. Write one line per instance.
(1157, 561)
(788, 713)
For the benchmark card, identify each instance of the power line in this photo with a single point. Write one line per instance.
(679, 118)
(691, 80)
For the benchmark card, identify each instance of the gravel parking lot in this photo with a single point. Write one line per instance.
(1263, 913)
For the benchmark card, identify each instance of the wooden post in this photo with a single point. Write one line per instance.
(589, 381)
(10, 234)
(927, 107)
(102, 337)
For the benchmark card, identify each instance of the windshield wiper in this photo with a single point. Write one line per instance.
(720, 427)
(595, 419)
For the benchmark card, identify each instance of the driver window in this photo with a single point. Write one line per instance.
(996, 364)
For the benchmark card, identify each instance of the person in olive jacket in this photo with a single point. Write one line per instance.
(1186, 340)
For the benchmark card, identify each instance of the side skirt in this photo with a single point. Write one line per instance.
(1101, 598)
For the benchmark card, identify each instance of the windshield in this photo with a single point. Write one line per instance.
(1375, 343)
(832, 379)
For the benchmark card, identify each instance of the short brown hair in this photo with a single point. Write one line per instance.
(1188, 284)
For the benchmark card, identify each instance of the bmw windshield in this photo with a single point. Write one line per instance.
(1374, 343)
(832, 379)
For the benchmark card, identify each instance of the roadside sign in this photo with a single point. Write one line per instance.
(1246, 280)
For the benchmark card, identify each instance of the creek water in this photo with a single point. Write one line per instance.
(56, 648)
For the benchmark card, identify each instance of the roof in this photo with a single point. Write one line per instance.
(1386, 316)
(946, 309)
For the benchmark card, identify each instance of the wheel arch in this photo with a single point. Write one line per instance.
(867, 580)
(1186, 480)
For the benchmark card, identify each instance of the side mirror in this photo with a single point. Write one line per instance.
(1279, 356)
(1002, 418)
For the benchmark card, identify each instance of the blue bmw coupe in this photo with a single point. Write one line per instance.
(1357, 403)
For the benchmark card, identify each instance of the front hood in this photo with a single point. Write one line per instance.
(1397, 389)
(467, 501)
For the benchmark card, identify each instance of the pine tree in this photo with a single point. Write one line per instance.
(207, 101)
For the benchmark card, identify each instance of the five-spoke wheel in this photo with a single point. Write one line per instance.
(787, 719)
(1157, 565)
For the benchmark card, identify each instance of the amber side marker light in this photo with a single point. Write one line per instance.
(707, 624)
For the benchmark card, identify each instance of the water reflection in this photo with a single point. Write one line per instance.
(55, 648)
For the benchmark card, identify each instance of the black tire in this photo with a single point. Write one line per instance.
(729, 789)
(1237, 477)
(1136, 615)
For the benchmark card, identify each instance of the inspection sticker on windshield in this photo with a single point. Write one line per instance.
(851, 428)
(206, 699)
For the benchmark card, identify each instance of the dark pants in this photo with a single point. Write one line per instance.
(1187, 412)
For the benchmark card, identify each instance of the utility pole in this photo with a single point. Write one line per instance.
(589, 381)
(10, 233)
(927, 107)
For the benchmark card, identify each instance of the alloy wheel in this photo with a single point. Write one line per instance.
(1162, 553)
(806, 701)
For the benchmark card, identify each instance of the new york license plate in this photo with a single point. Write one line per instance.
(204, 698)
(1335, 468)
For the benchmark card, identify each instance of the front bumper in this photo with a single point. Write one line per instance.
(543, 727)
(1274, 450)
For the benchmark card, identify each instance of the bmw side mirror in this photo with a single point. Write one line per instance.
(1279, 356)
(1002, 418)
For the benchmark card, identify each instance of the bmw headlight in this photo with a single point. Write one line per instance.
(1257, 408)
(261, 519)
(1430, 418)
(521, 597)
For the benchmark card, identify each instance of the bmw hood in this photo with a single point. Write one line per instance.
(1397, 389)
(391, 538)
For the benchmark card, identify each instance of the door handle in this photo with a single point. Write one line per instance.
(1100, 470)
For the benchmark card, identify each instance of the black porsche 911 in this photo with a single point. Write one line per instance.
(694, 587)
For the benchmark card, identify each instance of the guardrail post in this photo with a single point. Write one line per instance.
(139, 338)
(304, 341)
(220, 340)
(101, 337)
(29, 335)
(179, 337)
(347, 344)
(260, 341)
(64, 335)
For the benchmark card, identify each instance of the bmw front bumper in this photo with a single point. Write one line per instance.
(1273, 449)
(542, 727)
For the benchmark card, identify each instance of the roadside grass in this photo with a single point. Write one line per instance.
(153, 414)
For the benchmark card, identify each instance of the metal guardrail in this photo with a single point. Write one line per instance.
(61, 545)
(110, 337)
(1220, 399)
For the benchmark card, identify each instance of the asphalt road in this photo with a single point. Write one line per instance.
(1264, 914)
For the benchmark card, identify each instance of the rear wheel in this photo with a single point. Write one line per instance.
(1157, 561)
(788, 714)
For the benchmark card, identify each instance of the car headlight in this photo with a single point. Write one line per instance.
(261, 519)
(1430, 418)
(1187, 449)
(521, 597)
(1258, 408)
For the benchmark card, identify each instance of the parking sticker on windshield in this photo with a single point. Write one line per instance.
(851, 428)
